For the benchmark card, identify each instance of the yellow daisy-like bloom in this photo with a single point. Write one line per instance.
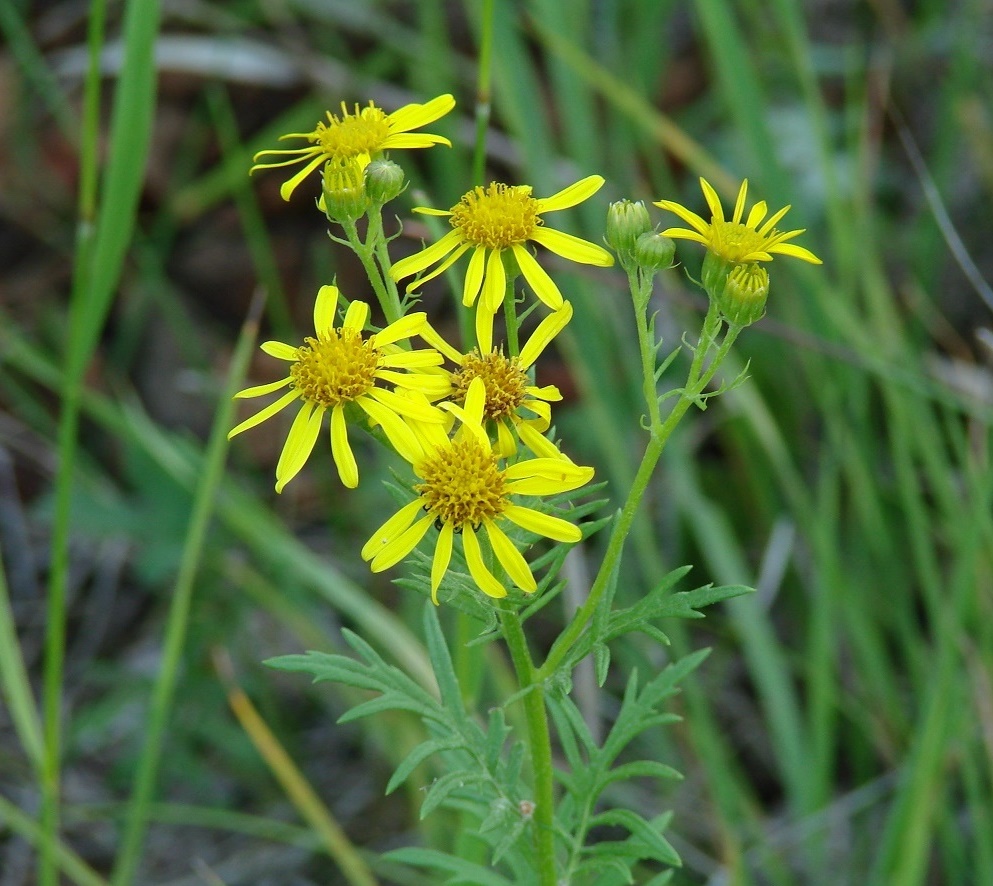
(361, 133)
(502, 218)
(464, 491)
(514, 406)
(340, 367)
(737, 241)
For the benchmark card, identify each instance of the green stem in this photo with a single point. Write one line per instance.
(377, 239)
(696, 382)
(179, 609)
(540, 743)
(77, 355)
(389, 302)
(641, 289)
(483, 92)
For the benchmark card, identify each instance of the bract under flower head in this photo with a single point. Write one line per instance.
(752, 240)
(361, 133)
(464, 491)
(501, 219)
(341, 366)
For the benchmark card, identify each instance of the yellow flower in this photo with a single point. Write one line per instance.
(463, 490)
(513, 404)
(502, 218)
(362, 133)
(735, 241)
(340, 367)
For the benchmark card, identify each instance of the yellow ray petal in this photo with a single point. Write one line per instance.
(415, 115)
(402, 438)
(756, 214)
(392, 528)
(474, 276)
(356, 316)
(299, 443)
(688, 216)
(484, 328)
(442, 557)
(545, 525)
(510, 558)
(265, 413)
(402, 545)
(405, 327)
(324, 309)
(288, 187)
(536, 442)
(543, 285)
(494, 282)
(713, 201)
(341, 451)
(573, 248)
(572, 195)
(547, 329)
(279, 350)
(403, 141)
(417, 262)
(434, 338)
(739, 205)
(420, 410)
(260, 390)
(477, 568)
(796, 252)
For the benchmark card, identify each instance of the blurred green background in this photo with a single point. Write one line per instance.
(842, 730)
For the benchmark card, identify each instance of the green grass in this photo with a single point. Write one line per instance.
(840, 731)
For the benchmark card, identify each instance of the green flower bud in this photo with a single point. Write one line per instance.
(745, 292)
(344, 196)
(715, 274)
(653, 252)
(626, 222)
(384, 180)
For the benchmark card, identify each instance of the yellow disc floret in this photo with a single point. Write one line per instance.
(734, 242)
(506, 383)
(335, 368)
(462, 485)
(353, 133)
(497, 217)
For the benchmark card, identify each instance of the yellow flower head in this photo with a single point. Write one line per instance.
(464, 491)
(361, 133)
(737, 241)
(515, 407)
(341, 366)
(494, 220)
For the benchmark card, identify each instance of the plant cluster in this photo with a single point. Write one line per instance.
(488, 484)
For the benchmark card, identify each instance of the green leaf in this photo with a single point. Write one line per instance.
(417, 756)
(443, 787)
(431, 859)
(601, 662)
(640, 769)
(441, 661)
(646, 835)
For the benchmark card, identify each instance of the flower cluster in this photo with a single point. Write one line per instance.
(472, 425)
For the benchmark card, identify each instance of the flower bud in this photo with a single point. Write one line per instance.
(384, 180)
(626, 222)
(715, 274)
(344, 196)
(653, 252)
(745, 292)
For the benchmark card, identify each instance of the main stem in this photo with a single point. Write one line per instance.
(540, 742)
(696, 382)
